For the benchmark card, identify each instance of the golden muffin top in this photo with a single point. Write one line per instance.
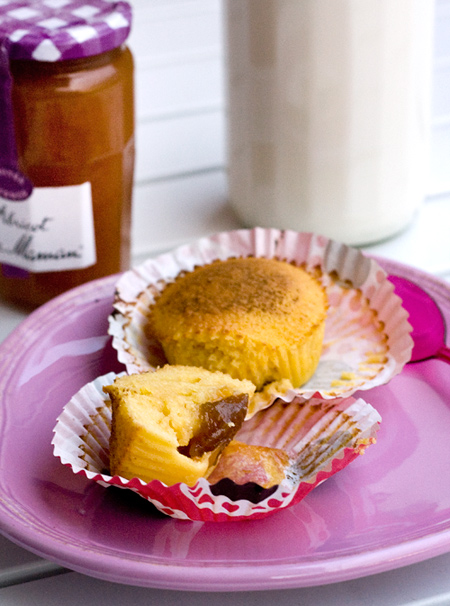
(242, 296)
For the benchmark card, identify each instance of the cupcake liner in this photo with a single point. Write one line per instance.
(320, 436)
(367, 335)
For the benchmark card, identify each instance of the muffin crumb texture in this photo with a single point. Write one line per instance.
(172, 424)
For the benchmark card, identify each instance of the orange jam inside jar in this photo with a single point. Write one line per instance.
(73, 124)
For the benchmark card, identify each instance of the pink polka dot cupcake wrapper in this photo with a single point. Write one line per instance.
(367, 336)
(321, 437)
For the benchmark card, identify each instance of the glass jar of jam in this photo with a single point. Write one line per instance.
(67, 150)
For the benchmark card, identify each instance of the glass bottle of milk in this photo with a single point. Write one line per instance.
(328, 114)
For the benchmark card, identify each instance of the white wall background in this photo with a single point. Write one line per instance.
(178, 50)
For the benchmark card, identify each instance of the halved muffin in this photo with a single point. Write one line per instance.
(172, 424)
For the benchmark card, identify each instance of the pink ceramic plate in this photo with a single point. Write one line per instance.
(390, 508)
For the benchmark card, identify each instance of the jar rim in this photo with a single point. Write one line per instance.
(59, 30)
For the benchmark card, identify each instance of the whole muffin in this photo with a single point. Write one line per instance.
(253, 318)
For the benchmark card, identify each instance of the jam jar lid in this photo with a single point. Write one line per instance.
(58, 30)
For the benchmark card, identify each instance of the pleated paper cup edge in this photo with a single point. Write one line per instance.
(86, 404)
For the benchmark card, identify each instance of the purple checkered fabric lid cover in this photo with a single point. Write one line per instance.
(57, 30)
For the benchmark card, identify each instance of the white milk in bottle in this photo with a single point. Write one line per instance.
(328, 113)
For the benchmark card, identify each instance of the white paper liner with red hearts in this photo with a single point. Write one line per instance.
(320, 436)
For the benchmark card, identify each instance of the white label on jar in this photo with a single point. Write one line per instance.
(52, 230)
